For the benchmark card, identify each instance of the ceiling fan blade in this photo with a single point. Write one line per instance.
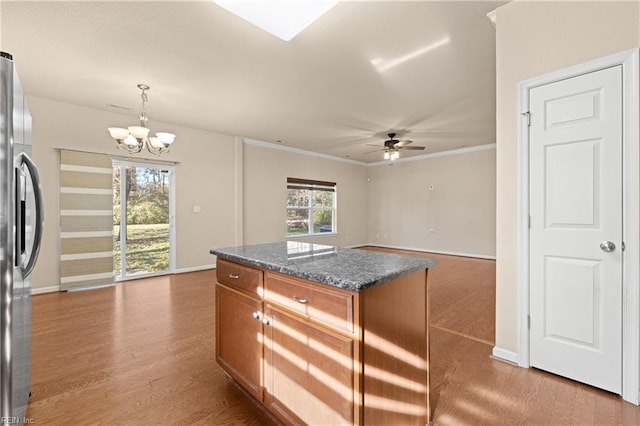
(375, 150)
(373, 144)
(413, 148)
(402, 143)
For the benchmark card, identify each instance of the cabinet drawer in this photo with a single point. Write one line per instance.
(239, 276)
(311, 300)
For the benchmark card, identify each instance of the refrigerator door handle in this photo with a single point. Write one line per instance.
(20, 204)
(39, 213)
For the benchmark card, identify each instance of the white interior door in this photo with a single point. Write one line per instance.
(576, 228)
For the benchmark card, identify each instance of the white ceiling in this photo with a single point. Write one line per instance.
(321, 91)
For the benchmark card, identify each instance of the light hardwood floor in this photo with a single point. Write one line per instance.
(141, 353)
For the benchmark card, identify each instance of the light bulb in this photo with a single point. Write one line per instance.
(130, 141)
(386, 155)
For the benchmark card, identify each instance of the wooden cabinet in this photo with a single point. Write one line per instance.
(308, 371)
(323, 305)
(240, 277)
(238, 338)
(317, 354)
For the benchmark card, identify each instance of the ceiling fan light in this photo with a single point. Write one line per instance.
(139, 132)
(395, 155)
(386, 155)
(118, 133)
(165, 138)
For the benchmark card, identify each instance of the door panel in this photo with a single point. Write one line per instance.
(239, 338)
(574, 280)
(576, 204)
(309, 377)
(572, 197)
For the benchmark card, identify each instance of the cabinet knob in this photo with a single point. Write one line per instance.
(265, 320)
(257, 314)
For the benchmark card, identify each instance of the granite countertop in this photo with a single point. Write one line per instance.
(350, 269)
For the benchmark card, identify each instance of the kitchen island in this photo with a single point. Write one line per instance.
(326, 335)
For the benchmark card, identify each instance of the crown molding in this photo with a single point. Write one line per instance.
(269, 145)
(436, 154)
(492, 17)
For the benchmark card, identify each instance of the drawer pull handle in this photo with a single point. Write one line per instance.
(234, 276)
(300, 300)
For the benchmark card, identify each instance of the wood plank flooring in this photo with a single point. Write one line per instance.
(462, 293)
(141, 353)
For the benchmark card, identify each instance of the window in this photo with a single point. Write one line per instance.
(311, 207)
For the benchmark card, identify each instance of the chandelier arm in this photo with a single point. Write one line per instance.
(141, 134)
(130, 149)
(136, 149)
(157, 151)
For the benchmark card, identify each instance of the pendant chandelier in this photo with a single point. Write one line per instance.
(134, 138)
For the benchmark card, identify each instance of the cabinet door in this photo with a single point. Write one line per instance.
(308, 371)
(239, 338)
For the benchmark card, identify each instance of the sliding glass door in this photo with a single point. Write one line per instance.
(143, 227)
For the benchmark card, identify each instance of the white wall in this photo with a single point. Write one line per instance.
(265, 195)
(535, 38)
(457, 216)
(241, 189)
(204, 176)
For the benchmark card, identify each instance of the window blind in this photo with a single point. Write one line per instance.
(316, 185)
(86, 220)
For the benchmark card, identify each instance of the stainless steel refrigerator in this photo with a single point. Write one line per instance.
(21, 221)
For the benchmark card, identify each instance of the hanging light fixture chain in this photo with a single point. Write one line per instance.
(144, 120)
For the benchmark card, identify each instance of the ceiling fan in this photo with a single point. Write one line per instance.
(392, 147)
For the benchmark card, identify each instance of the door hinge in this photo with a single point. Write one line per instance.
(529, 222)
(528, 115)
(528, 322)
(622, 246)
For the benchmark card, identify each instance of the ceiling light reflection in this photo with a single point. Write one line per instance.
(382, 65)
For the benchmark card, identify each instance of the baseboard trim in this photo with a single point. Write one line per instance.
(423, 250)
(356, 245)
(96, 287)
(44, 290)
(56, 288)
(505, 355)
(194, 269)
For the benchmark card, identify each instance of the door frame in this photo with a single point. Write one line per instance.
(172, 220)
(630, 210)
